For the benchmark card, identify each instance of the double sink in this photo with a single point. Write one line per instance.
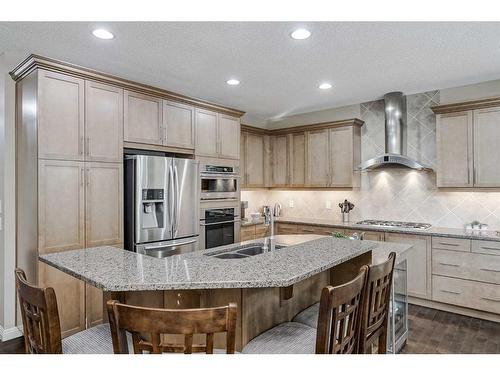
(244, 251)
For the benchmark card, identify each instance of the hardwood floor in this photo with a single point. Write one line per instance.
(431, 331)
(436, 331)
(14, 346)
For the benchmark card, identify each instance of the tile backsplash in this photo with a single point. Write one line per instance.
(390, 193)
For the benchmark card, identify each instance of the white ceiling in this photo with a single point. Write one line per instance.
(279, 76)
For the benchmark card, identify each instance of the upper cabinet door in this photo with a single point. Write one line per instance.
(142, 119)
(487, 147)
(243, 171)
(60, 116)
(178, 122)
(454, 150)
(297, 152)
(103, 122)
(104, 202)
(207, 143)
(254, 160)
(318, 163)
(229, 137)
(61, 210)
(341, 156)
(279, 161)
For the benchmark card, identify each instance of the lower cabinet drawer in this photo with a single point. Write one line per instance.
(283, 228)
(465, 293)
(486, 247)
(314, 229)
(471, 266)
(455, 244)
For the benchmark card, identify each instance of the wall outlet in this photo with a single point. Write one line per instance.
(328, 205)
(290, 203)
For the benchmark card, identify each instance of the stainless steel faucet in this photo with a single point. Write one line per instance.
(269, 219)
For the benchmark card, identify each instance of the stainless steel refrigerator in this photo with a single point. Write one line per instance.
(161, 205)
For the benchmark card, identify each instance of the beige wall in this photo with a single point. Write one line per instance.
(7, 194)
(331, 114)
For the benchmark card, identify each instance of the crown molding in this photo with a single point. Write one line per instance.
(303, 128)
(466, 106)
(33, 62)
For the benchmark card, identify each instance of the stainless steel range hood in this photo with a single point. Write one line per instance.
(395, 137)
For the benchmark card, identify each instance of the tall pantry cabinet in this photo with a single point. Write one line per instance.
(69, 178)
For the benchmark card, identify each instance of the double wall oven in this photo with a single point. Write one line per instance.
(220, 209)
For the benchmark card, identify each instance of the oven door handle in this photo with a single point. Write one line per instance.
(220, 222)
(219, 175)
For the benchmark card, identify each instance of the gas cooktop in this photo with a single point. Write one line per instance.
(395, 224)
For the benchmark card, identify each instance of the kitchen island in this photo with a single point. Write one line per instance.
(269, 288)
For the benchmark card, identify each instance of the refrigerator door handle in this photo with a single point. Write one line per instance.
(171, 245)
(171, 197)
(177, 198)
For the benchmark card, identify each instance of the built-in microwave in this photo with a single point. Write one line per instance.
(219, 182)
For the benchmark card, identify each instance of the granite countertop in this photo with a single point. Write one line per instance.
(113, 269)
(488, 235)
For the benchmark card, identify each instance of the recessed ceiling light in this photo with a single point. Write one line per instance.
(300, 34)
(325, 86)
(233, 82)
(103, 34)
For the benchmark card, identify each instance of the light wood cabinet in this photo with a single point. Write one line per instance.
(217, 135)
(207, 141)
(229, 137)
(61, 207)
(104, 203)
(70, 293)
(142, 118)
(60, 116)
(318, 160)
(418, 263)
(343, 156)
(297, 159)
(286, 228)
(279, 161)
(178, 124)
(467, 148)
(243, 170)
(486, 147)
(254, 160)
(454, 150)
(94, 308)
(315, 229)
(103, 122)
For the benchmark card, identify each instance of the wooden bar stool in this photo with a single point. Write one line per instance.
(374, 325)
(338, 330)
(375, 307)
(154, 322)
(42, 330)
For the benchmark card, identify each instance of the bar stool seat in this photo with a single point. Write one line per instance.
(286, 338)
(95, 340)
(308, 316)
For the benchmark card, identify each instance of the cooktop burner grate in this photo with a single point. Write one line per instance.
(395, 224)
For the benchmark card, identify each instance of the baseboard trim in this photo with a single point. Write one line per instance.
(455, 309)
(10, 333)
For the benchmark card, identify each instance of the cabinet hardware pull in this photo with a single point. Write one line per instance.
(491, 299)
(449, 264)
(489, 270)
(88, 146)
(450, 291)
(449, 244)
(490, 248)
(82, 176)
(81, 145)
